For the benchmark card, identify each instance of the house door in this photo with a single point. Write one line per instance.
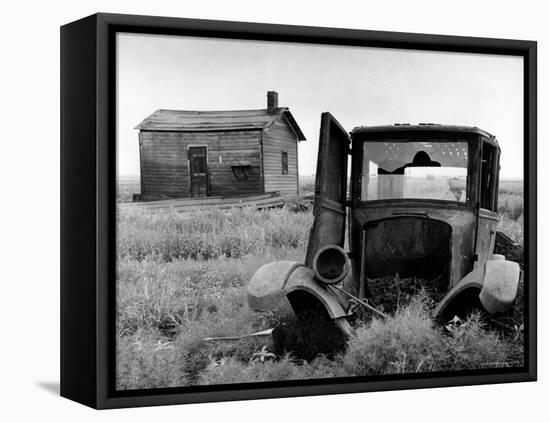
(198, 172)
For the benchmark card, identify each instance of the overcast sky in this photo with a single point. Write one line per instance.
(359, 86)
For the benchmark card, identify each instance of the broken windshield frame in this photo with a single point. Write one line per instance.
(415, 169)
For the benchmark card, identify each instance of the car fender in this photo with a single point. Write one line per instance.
(500, 284)
(266, 288)
(473, 280)
(273, 281)
(496, 283)
(303, 279)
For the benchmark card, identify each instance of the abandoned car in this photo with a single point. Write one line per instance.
(422, 204)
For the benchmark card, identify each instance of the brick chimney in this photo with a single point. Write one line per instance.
(272, 100)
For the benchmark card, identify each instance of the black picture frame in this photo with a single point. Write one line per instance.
(88, 192)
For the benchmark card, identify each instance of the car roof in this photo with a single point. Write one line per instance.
(423, 127)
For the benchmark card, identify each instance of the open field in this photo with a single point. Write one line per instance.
(126, 186)
(510, 208)
(181, 278)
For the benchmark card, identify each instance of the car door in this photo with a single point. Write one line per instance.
(329, 209)
(488, 201)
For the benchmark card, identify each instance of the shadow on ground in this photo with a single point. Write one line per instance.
(51, 387)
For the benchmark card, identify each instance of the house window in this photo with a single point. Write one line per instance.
(284, 162)
(240, 171)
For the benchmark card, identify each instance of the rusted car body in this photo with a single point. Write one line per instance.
(422, 203)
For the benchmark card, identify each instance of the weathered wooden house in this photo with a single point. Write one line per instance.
(219, 153)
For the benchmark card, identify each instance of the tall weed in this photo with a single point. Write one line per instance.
(410, 342)
(207, 234)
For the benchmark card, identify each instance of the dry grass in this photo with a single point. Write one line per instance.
(285, 368)
(510, 208)
(182, 277)
(410, 342)
(167, 304)
(406, 342)
(209, 234)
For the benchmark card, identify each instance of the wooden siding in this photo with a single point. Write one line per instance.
(164, 163)
(276, 139)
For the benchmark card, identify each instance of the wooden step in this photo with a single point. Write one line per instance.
(260, 201)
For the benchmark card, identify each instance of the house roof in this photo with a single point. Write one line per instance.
(201, 121)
